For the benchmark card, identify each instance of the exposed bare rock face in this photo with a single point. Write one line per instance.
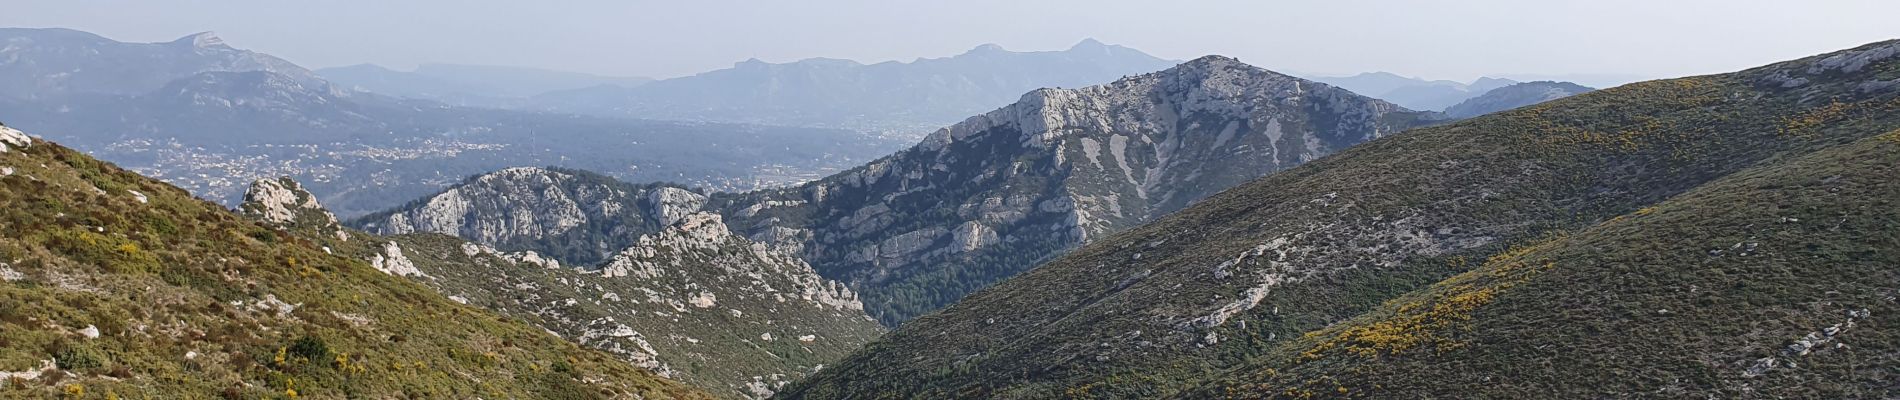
(973, 203)
(42, 63)
(284, 203)
(989, 197)
(573, 216)
(671, 204)
(689, 299)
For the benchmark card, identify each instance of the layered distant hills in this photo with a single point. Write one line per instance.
(904, 97)
(1415, 93)
(1513, 96)
(468, 85)
(211, 118)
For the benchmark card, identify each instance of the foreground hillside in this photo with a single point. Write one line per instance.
(682, 296)
(1775, 282)
(1385, 270)
(117, 286)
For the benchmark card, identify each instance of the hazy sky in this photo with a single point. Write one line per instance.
(1435, 39)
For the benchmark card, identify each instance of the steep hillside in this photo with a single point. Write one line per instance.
(119, 285)
(1223, 285)
(987, 198)
(1415, 93)
(890, 96)
(1514, 96)
(685, 298)
(1775, 282)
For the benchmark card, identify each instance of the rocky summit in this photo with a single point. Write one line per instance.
(987, 198)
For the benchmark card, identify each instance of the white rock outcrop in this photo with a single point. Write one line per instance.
(285, 203)
(669, 205)
(392, 261)
(13, 138)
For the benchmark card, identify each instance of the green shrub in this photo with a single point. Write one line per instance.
(77, 357)
(310, 348)
(115, 254)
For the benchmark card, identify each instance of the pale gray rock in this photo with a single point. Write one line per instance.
(13, 138)
(670, 205)
(1060, 167)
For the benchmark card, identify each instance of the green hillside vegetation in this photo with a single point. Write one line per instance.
(689, 301)
(1775, 282)
(131, 288)
(1457, 223)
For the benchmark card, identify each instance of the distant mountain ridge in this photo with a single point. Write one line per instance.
(577, 216)
(916, 95)
(1414, 93)
(468, 85)
(56, 63)
(982, 200)
(1513, 96)
(985, 199)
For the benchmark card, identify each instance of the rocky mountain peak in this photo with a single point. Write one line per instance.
(1057, 168)
(703, 226)
(1088, 44)
(1214, 60)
